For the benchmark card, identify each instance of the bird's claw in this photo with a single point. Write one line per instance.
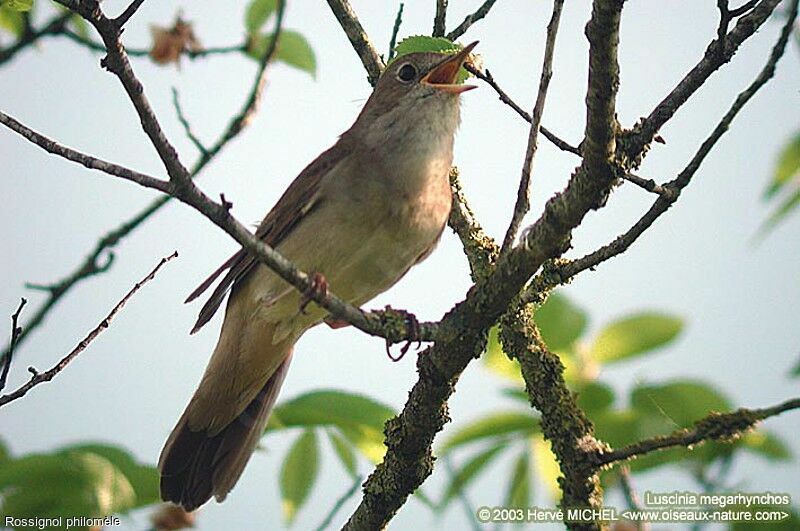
(318, 288)
(414, 335)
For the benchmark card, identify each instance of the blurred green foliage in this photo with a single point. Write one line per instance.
(90, 480)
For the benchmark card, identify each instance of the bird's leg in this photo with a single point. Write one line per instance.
(318, 288)
(413, 327)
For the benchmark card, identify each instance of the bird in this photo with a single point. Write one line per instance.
(359, 217)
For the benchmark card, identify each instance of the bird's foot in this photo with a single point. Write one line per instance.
(318, 288)
(414, 335)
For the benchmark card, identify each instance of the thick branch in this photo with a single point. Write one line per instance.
(462, 332)
(523, 193)
(716, 426)
(358, 38)
(564, 424)
(46, 376)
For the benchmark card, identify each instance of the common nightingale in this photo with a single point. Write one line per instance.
(360, 215)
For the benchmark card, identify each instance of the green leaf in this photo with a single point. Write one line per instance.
(676, 404)
(66, 484)
(787, 167)
(492, 426)
(18, 5)
(496, 360)
(560, 322)
(343, 451)
(595, 397)
(634, 335)
(795, 372)
(298, 474)
(258, 11)
(519, 492)
(293, 49)
(766, 445)
(330, 408)
(79, 26)
(12, 21)
(464, 475)
(617, 428)
(546, 466)
(143, 478)
(781, 211)
(360, 419)
(423, 43)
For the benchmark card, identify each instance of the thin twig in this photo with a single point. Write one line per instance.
(716, 426)
(523, 193)
(398, 20)
(358, 39)
(15, 332)
(128, 13)
(439, 18)
(648, 184)
(487, 78)
(185, 123)
(340, 503)
(46, 376)
(88, 161)
(481, 12)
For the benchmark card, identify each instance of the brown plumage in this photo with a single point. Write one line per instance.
(361, 214)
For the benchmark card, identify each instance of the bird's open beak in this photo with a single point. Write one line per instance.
(444, 74)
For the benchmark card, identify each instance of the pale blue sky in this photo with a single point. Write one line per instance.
(740, 301)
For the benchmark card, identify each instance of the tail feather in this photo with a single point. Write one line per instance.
(194, 465)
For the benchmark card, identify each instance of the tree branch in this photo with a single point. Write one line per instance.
(480, 249)
(15, 332)
(716, 426)
(46, 376)
(398, 20)
(523, 193)
(439, 18)
(358, 38)
(644, 132)
(462, 28)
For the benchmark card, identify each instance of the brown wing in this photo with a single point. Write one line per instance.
(297, 202)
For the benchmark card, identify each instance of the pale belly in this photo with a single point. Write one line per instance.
(370, 250)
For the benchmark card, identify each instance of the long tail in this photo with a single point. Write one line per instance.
(196, 464)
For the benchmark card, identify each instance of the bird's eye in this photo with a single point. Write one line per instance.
(407, 73)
